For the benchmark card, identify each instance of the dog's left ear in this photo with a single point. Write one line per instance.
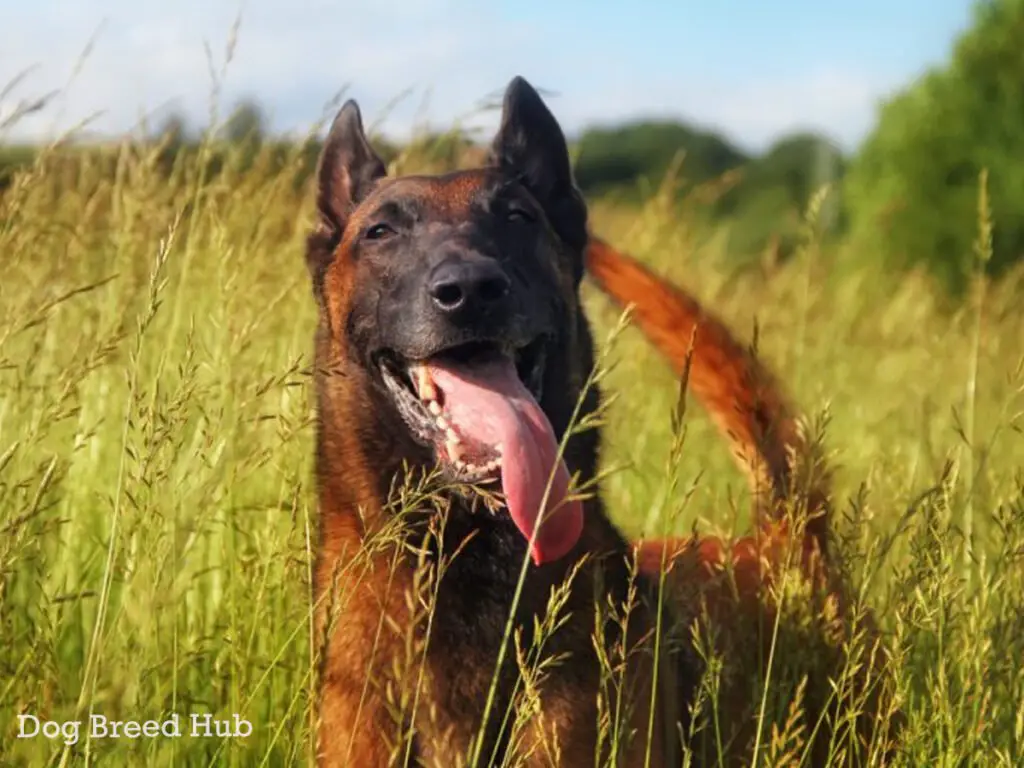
(531, 146)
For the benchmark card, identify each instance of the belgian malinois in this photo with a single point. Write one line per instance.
(451, 345)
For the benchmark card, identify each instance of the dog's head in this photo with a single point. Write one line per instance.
(450, 327)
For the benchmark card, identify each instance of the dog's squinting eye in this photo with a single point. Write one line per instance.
(379, 231)
(517, 212)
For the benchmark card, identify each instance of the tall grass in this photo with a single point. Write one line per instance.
(157, 513)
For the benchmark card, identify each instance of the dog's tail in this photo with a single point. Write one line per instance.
(739, 393)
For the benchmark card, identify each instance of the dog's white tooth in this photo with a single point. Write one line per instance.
(434, 407)
(428, 390)
(472, 468)
(442, 423)
(454, 451)
(424, 384)
(451, 434)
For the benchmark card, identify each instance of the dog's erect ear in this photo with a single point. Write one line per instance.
(530, 145)
(347, 170)
(348, 167)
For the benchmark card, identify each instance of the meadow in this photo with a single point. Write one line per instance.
(157, 514)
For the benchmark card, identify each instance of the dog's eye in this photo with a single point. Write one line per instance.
(379, 231)
(517, 212)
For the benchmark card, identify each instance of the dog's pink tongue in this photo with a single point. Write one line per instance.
(488, 404)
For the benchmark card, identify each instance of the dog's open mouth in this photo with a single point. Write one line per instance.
(477, 406)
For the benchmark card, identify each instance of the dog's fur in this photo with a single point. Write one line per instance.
(376, 242)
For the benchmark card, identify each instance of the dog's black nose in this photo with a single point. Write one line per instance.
(466, 285)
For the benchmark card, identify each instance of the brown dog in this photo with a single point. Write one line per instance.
(452, 348)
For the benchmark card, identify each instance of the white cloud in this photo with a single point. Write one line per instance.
(150, 56)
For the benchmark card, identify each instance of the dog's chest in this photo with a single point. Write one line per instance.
(466, 632)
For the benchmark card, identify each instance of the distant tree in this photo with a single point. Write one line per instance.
(246, 123)
(171, 136)
(610, 157)
(173, 130)
(797, 166)
(14, 158)
(913, 188)
(776, 188)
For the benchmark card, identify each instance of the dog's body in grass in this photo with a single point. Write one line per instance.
(451, 342)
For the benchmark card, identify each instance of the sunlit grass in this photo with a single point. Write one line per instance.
(157, 514)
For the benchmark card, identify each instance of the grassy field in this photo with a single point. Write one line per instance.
(157, 516)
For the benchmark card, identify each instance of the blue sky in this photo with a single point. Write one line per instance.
(754, 70)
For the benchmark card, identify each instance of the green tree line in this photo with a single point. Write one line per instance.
(907, 196)
(766, 196)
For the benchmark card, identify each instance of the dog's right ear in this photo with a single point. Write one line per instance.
(348, 167)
